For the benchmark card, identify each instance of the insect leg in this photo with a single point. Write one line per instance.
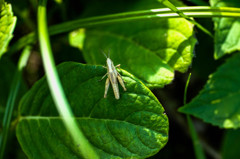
(106, 87)
(121, 81)
(118, 66)
(103, 76)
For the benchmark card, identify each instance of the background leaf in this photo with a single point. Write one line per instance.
(218, 102)
(231, 144)
(133, 126)
(227, 30)
(7, 24)
(151, 50)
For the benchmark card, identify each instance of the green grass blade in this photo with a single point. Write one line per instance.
(198, 12)
(12, 98)
(55, 86)
(173, 8)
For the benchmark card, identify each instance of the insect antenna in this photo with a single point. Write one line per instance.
(104, 53)
(109, 53)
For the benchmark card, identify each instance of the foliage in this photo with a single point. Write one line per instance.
(227, 30)
(221, 89)
(64, 114)
(7, 24)
(167, 43)
(138, 114)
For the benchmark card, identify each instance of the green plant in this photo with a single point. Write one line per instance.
(64, 115)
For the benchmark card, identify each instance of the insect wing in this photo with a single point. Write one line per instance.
(113, 80)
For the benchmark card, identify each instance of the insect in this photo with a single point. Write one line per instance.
(112, 77)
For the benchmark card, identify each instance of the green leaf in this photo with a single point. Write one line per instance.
(218, 102)
(231, 144)
(133, 126)
(151, 50)
(76, 38)
(227, 30)
(7, 24)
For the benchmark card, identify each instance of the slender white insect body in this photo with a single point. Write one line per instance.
(113, 77)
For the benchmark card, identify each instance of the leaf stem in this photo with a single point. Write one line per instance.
(196, 142)
(55, 86)
(195, 12)
(12, 98)
(185, 90)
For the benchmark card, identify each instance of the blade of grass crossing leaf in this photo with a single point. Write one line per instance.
(196, 142)
(201, 12)
(173, 8)
(11, 99)
(56, 88)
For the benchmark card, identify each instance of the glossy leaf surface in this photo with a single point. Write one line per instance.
(133, 126)
(227, 30)
(218, 102)
(7, 25)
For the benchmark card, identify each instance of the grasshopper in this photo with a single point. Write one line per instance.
(113, 76)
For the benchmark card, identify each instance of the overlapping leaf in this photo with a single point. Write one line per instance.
(133, 126)
(151, 50)
(7, 24)
(227, 30)
(218, 102)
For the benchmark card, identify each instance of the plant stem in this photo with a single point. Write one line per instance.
(55, 86)
(196, 142)
(180, 13)
(195, 12)
(12, 98)
(185, 90)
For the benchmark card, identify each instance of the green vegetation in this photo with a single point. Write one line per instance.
(179, 60)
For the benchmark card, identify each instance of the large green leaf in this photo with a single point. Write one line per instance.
(7, 24)
(231, 144)
(151, 50)
(133, 126)
(227, 30)
(218, 102)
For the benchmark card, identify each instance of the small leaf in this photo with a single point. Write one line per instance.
(151, 50)
(7, 25)
(231, 144)
(76, 38)
(133, 126)
(227, 30)
(218, 102)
